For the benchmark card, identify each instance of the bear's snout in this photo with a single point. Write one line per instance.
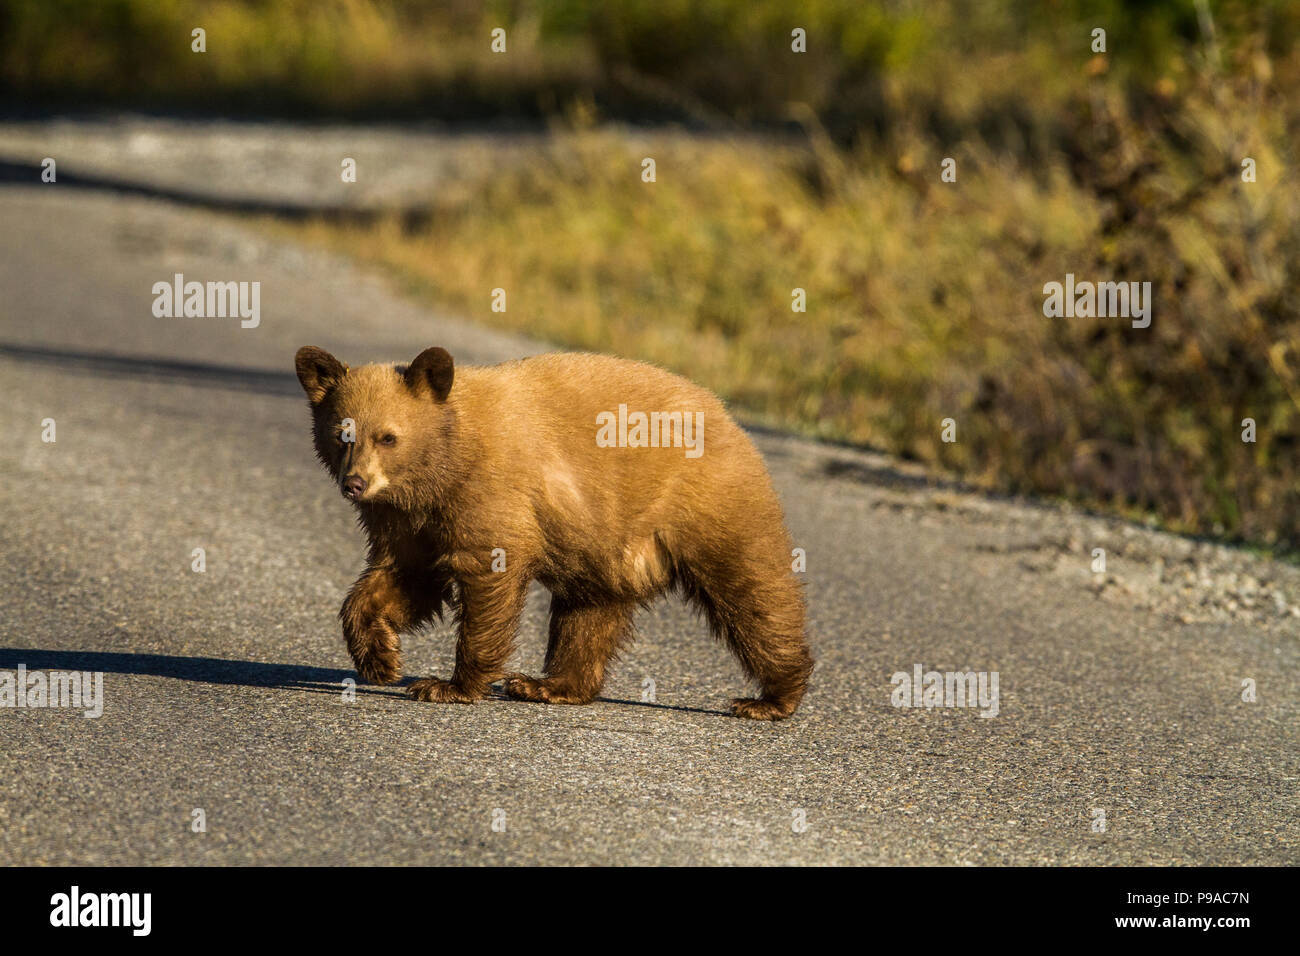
(354, 486)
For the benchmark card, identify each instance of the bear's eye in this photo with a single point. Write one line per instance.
(388, 439)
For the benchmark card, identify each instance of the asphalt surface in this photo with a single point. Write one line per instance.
(1119, 693)
(277, 164)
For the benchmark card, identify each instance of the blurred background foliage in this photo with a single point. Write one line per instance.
(821, 171)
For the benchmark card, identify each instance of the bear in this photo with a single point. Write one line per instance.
(587, 473)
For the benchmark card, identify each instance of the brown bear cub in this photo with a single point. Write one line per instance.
(589, 474)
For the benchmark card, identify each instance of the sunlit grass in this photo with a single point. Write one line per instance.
(924, 302)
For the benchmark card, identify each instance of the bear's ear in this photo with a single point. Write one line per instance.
(318, 371)
(432, 371)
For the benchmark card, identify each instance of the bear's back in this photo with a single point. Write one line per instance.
(547, 422)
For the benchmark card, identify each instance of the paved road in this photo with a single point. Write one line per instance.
(1119, 692)
(287, 165)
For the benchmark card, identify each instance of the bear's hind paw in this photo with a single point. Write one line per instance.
(544, 691)
(433, 690)
(760, 708)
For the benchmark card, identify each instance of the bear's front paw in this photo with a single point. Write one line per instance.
(546, 691)
(523, 687)
(379, 667)
(440, 692)
(760, 708)
(376, 653)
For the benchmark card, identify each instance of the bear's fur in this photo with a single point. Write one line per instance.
(447, 465)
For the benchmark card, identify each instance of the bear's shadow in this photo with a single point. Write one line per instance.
(215, 670)
(206, 670)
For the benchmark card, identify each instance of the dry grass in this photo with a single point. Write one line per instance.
(925, 298)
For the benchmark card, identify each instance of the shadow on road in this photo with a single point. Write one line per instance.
(884, 476)
(29, 174)
(158, 369)
(215, 670)
(206, 670)
(657, 706)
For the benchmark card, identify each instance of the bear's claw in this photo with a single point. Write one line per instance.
(436, 691)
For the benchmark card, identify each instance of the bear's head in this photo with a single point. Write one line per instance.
(379, 429)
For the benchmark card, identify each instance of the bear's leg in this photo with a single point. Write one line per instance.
(382, 603)
(583, 640)
(490, 606)
(756, 607)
